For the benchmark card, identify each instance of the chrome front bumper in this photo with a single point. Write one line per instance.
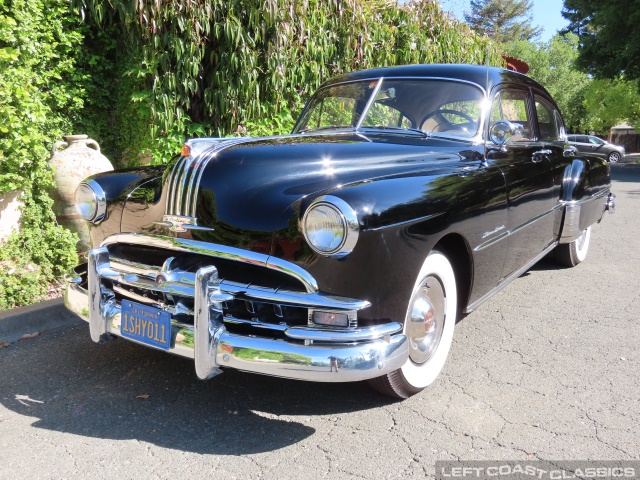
(312, 354)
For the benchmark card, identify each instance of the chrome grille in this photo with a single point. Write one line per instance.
(186, 175)
(262, 292)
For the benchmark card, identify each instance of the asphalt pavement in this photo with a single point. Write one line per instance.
(547, 369)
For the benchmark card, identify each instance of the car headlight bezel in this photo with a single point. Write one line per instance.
(90, 201)
(342, 219)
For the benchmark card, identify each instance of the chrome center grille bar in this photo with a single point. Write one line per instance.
(218, 251)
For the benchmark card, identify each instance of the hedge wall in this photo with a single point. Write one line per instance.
(222, 67)
(141, 76)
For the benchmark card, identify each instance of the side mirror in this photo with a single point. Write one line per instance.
(504, 131)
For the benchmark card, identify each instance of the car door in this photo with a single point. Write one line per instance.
(528, 173)
(598, 147)
(583, 145)
(551, 134)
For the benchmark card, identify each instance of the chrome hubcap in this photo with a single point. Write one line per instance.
(426, 320)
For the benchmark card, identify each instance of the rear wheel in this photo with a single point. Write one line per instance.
(614, 157)
(571, 254)
(429, 324)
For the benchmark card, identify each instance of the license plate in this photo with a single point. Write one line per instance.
(145, 324)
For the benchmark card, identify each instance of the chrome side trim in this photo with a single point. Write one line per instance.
(571, 228)
(472, 306)
(506, 234)
(571, 223)
(573, 173)
(219, 251)
(406, 222)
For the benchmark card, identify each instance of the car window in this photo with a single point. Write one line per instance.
(435, 106)
(511, 105)
(582, 139)
(334, 111)
(547, 120)
(596, 141)
(385, 115)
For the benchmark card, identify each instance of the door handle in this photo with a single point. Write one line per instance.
(537, 156)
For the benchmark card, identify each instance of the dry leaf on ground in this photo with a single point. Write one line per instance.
(28, 336)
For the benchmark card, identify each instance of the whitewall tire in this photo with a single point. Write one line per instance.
(429, 324)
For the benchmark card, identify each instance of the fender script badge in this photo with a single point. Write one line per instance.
(178, 223)
(496, 230)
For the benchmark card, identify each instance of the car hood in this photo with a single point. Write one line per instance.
(251, 189)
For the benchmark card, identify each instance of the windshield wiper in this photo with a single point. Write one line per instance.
(326, 127)
(396, 129)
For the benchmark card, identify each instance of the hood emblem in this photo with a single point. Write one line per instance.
(180, 223)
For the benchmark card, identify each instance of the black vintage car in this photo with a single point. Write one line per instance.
(346, 250)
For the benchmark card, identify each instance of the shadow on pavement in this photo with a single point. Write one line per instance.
(69, 384)
(625, 173)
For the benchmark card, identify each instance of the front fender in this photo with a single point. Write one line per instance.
(117, 186)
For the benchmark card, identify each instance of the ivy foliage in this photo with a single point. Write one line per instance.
(221, 67)
(43, 88)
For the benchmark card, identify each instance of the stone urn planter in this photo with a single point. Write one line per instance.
(79, 159)
(10, 214)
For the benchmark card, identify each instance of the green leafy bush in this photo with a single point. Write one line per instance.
(42, 93)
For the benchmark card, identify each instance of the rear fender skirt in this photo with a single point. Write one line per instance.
(580, 208)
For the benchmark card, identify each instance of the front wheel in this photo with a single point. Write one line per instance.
(429, 323)
(571, 254)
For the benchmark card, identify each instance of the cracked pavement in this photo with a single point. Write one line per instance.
(547, 369)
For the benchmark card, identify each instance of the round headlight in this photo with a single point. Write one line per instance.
(90, 201)
(331, 226)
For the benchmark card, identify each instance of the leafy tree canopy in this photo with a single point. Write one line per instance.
(503, 20)
(610, 102)
(609, 36)
(553, 65)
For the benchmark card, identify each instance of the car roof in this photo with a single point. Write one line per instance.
(483, 76)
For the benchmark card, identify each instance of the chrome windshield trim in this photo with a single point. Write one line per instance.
(369, 102)
(219, 251)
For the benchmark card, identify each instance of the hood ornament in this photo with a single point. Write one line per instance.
(181, 223)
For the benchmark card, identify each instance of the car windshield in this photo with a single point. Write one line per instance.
(421, 106)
